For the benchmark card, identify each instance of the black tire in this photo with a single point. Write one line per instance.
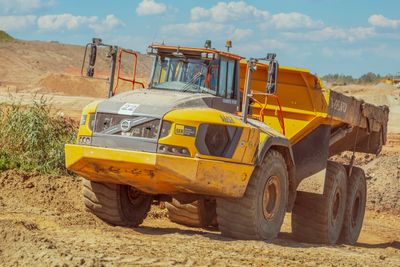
(200, 213)
(260, 212)
(116, 204)
(355, 207)
(319, 218)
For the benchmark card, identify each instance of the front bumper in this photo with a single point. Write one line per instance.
(158, 173)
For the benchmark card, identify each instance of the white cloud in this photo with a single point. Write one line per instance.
(195, 28)
(60, 21)
(22, 6)
(382, 21)
(197, 13)
(206, 30)
(11, 23)
(263, 46)
(331, 33)
(241, 33)
(71, 22)
(109, 23)
(294, 20)
(150, 7)
(224, 11)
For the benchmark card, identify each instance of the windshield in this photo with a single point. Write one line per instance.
(185, 74)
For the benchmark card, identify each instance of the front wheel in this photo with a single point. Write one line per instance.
(116, 204)
(260, 212)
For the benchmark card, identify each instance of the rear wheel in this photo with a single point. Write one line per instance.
(319, 218)
(116, 204)
(200, 213)
(259, 213)
(355, 206)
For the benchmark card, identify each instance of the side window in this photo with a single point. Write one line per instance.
(222, 78)
(230, 80)
(212, 76)
(227, 79)
(157, 71)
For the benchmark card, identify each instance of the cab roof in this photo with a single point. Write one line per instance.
(192, 51)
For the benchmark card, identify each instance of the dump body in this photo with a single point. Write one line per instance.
(318, 122)
(307, 104)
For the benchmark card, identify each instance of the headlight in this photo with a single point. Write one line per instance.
(173, 150)
(85, 140)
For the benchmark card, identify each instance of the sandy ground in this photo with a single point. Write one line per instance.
(43, 222)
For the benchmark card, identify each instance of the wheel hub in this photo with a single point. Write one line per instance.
(271, 197)
(135, 197)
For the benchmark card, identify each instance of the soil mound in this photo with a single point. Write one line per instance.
(72, 86)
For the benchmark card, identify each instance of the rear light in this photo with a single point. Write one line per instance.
(173, 150)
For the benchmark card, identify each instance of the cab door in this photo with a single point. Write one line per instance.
(228, 82)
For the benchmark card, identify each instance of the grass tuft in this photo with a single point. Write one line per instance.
(32, 138)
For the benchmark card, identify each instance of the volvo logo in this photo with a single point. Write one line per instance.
(125, 125)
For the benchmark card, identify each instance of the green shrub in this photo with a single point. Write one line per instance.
(32, 137)
(5, 37)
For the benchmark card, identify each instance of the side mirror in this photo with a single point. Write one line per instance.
(92, 59)
(272, 79)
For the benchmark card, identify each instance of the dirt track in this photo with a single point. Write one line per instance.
(43, 222)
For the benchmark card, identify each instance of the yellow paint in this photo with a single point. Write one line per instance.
(159, 173)
(304, 103)
(302, 96)
(194, 117)
(89, 111)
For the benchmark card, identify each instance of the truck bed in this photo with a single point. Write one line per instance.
(362, 128)
(307, 105)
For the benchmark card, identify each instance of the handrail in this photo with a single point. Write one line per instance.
(133, 80)
(281, 118)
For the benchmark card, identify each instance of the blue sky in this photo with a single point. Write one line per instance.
(325, 36)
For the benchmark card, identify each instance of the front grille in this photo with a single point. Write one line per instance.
(127, 125)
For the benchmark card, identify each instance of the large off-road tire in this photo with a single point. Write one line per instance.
(260, 212)
(319, 218)
(200, 213)
(355, 206)
(116, 204)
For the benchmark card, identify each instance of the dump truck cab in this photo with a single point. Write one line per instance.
(198, 71)
(186, 117)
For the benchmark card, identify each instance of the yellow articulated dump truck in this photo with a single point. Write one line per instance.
(227, 142)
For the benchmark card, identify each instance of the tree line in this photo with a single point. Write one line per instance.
(341, 79)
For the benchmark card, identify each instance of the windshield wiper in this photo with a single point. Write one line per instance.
(192, 83)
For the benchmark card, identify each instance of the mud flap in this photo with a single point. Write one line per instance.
(314, 183)
(311, 157)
